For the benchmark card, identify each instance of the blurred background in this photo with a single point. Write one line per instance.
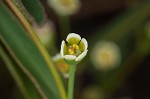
(118, 62)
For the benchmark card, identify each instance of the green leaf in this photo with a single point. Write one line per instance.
(24, 84)
(35, 8)
(27, 54)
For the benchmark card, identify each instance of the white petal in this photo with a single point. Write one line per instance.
(85, 43)
(73, 35)
(66, 75)
(57, 57)
(62, 48)
(81, 56)
(69, 57)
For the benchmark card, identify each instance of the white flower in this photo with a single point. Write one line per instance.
(65, 7)
(62, 66)
(105, 55)
(75, 49)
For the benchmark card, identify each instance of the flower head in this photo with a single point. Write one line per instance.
(62, 66)
(105, 55)
(65, 7)
(75, 49)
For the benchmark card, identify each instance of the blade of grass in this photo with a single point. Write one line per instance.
(34, 81)
(26, 54)
(35, 8)
(27, 91)
(20, 44)
(14, 74)
(40, 46)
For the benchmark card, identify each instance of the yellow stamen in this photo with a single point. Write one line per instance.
(71, 52)
(74, 46)
(73, 49)
(77, 47)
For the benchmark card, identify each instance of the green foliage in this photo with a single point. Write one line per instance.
(30, 69)
(24, 84)
(26, 54)
(35, 9)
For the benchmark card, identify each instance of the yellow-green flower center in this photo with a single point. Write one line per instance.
(73, 49)
(106, 56)
(65, 2)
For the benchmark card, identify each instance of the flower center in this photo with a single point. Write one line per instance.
(73, 49)
(65, 2)
(106, 56)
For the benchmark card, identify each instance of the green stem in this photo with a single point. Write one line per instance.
(64, 24)
(72, 70)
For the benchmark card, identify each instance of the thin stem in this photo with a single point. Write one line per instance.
(64, 24)
(72, 70)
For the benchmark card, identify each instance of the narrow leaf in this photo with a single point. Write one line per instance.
(35, 8)
(24, 84)
(27, 53)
